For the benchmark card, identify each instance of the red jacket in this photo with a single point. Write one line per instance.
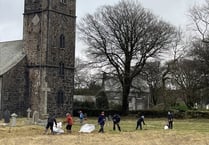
(69, 120)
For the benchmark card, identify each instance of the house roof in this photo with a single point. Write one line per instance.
(11, 53)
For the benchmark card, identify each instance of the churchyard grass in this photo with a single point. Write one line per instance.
(185, 132)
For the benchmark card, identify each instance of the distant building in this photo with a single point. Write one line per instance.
(138, 99)
(84, 98)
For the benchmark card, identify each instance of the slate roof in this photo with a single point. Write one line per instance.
(11, 53)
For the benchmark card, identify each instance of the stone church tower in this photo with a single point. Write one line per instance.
(49, 45)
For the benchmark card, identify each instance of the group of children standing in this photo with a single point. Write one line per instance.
(140, 122)
(101, 121)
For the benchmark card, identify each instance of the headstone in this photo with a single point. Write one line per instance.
(6, 116)
(42, 122)
(14, 117)
(35, 117)
(28, 115)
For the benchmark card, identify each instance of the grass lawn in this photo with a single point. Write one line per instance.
(185, 132)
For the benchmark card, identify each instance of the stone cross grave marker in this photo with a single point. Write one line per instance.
(28, 115)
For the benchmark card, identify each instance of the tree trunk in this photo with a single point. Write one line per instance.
(125, 103)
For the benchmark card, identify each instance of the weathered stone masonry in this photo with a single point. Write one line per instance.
(49, 43)
(15, 88)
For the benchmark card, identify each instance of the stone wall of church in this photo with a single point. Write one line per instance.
(14, 89)
(58, 84)
(43, 28)
(60, 25)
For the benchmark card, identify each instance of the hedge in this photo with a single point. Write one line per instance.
(147, 113)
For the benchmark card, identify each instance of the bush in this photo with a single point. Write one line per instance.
(115, 106)
(95, 112)
(102, 101)
(149, 113)
(181, 108)
(197, 114)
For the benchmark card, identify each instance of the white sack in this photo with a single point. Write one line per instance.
(58, 129)
(87, 128)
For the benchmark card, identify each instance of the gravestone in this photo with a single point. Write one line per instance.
(35, 117)
(6, 116)
(43, 121)
(14, 119)
(28, 113)
(29, 120)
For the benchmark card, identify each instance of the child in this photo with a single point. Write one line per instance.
(50, 122)
(139, 122)
(170, 120)
(101, 122)
(81, 117)
(116, 121)
(69, 121)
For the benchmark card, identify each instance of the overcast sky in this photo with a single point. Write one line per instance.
(11, 18)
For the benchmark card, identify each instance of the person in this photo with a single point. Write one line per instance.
(6, 116)
(50, 122)
(139, 122)
(81, 117)
(116, 121)
(101, 122)
(170, 120)
(69, 121)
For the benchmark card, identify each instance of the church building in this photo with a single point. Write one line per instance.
(38, 71)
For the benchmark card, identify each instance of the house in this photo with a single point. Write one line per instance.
(138, 99)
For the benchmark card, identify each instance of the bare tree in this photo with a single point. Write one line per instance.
(84, 77)
(189, 76)
(81, 77)
(199, 15)
(152, 74)
(123, 37)
(200, 22)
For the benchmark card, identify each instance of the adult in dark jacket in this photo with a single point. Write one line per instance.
(139, 122)
(50, 122)
(116, 121)
(170, 120)
(101, 122)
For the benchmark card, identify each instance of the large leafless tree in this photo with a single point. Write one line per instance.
(199, 15)
(189, 76)
(123, 37)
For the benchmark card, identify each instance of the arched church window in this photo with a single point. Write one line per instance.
(62, 41)
(60, 98)
(61, 69)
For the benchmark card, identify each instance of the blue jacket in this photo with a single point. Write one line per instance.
(101, 120)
